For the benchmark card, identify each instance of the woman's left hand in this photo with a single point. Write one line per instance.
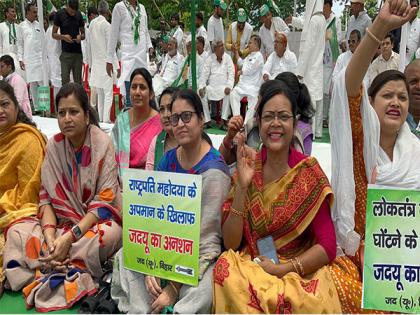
(166, 298)
(270, 267)
(61, 248)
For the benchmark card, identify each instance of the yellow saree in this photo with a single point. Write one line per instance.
(283, 209)
(22, 150)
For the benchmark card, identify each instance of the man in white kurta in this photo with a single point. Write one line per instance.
(332, 38)
(413, 35)
(215, 29)
(8, 37)
(270, 25)
(359, 19)
(198, 62)
(201, 30)
(177, 32)
(217, 80)
(201, 48)
(250, 76)
(99, 34)
(282, 59)
(53, 52)
(238, 35)
(129, 27)
(171, 68)
(311, 52)
(30, 50)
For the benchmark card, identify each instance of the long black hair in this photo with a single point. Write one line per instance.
(148, 78)
(303, 99)
(194, 100)
(80, 94)
(21, 116)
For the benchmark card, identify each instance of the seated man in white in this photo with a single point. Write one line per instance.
(280, 60)
(198, 62)
(171, 68)
(217, 80)
(249, 80)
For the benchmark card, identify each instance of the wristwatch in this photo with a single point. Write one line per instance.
(76, 233)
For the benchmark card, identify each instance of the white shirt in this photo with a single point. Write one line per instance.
(343, 61)
(250, 79)
(215, 30)
(53, 50)
(413, 39)
(201, 31)
(217, 76)
(97, 46)
(171, 68)
(328, 60)
(179, 36)
(380, 65)
(360, 23)
(132, 56)
(204, 55)
(267, 35)
(199, 68)
(5, 47)
(275, 65)
(311, 52)
(30, 50)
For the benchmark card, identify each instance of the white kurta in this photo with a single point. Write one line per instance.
(132, 56)
(216, 77)
(250, 79)
(413, 39)
(7, 48)
(360, 23)
(276, 65)
(342, 62)
(201, 31)
(328, 57)
(99, 34)
(199, 68)
(215, 30)
(246, 34)
(53, 50)
(179, 36)
(171, 69)
(267, 35)
(311, 54)
(30, 50)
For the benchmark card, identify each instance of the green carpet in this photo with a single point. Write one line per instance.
(13, 303)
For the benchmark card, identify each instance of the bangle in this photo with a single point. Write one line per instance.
(238, 213)
(174, 288)
(48, 226)
(301, 270)
(292, 261)
(372, 36)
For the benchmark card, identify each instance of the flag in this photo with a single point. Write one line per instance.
(333, 39)
(274, 6)
(51, 7)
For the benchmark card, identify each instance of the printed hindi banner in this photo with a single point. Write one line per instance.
(391, 275)
(43, 98)
(161, 230)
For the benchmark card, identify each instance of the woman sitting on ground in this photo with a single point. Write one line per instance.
(165, 141)
(56, 258)
(22, 149)
(136, 127)
(277, 226)
(302, 140)
(371, 144)
(136, 293)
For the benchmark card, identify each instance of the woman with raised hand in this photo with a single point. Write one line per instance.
(136, 127)
(137, 293)
(22, 150)
(371, 144)
(58, 257)
(276, 223)
(164, 141)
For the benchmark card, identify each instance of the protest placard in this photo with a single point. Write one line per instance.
(161, 230)
(391, 274)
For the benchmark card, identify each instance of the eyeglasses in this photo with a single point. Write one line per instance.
(268, 117)
(184, 116)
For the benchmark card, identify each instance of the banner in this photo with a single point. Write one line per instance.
(391, 274)
(161, 230)
(43, 99)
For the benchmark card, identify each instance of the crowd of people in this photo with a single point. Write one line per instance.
(61, 198)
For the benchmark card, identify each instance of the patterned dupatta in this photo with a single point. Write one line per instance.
(284, 208)
(75, 182)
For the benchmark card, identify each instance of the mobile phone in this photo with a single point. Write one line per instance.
(267, 248)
